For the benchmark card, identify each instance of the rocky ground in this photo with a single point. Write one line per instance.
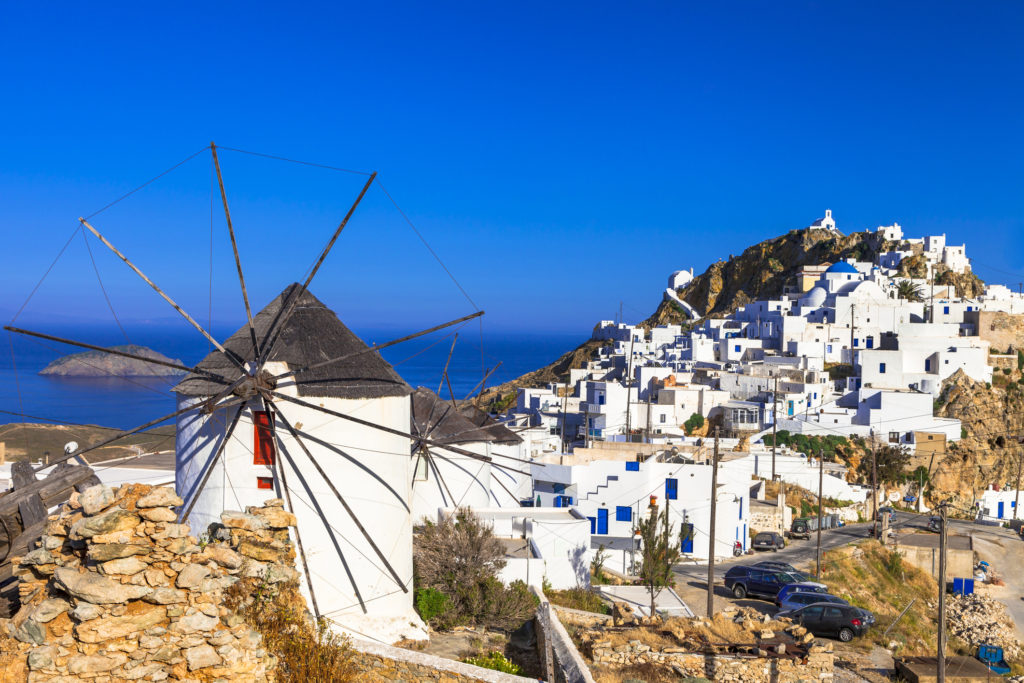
(979, 620)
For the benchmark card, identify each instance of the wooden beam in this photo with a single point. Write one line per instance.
(341, 499)
(234, 248)
(166, 298)
(276, 330)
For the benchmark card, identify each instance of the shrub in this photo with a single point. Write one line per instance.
(963, 432)
(578, 598)
(431, 603)
(693, 423)
(1006, 371)
(495, 661)
(306, 651)
(597, 563)
(460, 558)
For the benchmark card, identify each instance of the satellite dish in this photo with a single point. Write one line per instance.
(70, 447)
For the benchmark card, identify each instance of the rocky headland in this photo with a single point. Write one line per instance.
(100, 364)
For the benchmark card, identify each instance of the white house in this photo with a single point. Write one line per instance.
(370, 468)
(826, 223)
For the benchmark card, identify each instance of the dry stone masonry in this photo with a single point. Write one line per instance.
(117, 591)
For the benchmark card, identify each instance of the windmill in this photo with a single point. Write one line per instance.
(296, 405)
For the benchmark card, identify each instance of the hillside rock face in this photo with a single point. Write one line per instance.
(993, 420)
(112, 595)
(99, 364)
(762, 270)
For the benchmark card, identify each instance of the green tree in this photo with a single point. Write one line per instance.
(693, 423)
(905, 289)
(659, 552)
(891, 462)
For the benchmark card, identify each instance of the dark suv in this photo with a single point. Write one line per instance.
(764, 583)
(827, 619)
(768, 540)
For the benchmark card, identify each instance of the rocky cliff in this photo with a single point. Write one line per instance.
(763, 269)
(993, 423)
(99, 364)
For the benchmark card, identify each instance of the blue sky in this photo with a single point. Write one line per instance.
(559, 157)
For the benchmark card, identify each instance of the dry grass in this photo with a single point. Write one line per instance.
(578, 598)
(867, 576)
(306, 651)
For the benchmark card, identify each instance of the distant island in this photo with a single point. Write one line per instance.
(99, 364)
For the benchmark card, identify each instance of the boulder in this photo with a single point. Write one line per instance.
(96, 499)
(108, 522)
(201, 656)
(160, 496)
(241, 520)
(96, 589)
(192, 576)
(140, 618)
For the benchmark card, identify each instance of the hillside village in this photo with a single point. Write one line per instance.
(770, 419)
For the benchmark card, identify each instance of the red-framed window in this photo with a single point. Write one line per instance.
(265, 483)
(263, 449)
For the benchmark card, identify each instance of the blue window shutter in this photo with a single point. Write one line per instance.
(945, 309)
(856, 342)
(623, 513)
(632, 467)
(736, 348)
(881, 368)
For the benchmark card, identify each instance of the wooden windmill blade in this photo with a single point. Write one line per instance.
(234, 248)
(275, 332)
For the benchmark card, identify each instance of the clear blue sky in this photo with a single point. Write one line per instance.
(559, 157)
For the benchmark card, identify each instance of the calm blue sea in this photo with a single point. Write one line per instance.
(129, 402)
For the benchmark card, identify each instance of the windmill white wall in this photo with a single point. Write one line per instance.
(371, 468)
(465, 482)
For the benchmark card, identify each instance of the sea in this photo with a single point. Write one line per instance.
(127, 402)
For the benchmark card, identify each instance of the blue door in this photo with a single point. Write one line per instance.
(671, 489)
(593, 524)
(602, 521)
(687, 545)
(1000, 509)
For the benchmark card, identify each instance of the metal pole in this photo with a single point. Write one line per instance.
(874, 492)
(775, 424)
(942, 599)
(821, 477)
(711, 535)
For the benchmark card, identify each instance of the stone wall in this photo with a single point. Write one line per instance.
(118, 591)
(818, 665)
(1001, 330)
(378, 662)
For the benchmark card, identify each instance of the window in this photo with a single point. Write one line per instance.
(263, 438)
(736, 348)
(558, 488)
(623, 513)
(830, 348)
(927, 365)
(671, 489)
(632, 467)
(945, 309)
(881, 368)
(421, 469)
(662, 418)
(265, 482)
(600, 399)
(894, 437)
(856, 342)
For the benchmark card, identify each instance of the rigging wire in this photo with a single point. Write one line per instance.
(294, 161)
(34, 289)
(148, 182)
(85, 238)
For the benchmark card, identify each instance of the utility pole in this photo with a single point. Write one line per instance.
(775, 423)
(942, 598)
(931, 289)
(629, 383)
(874, 490)
(711, 542)
(1016, 494)
(821, 477)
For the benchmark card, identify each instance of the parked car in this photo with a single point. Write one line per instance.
(790, 588)
(935, 523)
(795, 601)
(868, 617)
(829, 619)
(777, 566)
(760, 581)
(886, 510)
(768, 540)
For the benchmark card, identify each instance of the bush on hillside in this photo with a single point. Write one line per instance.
(693, 423)
(460, 558)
